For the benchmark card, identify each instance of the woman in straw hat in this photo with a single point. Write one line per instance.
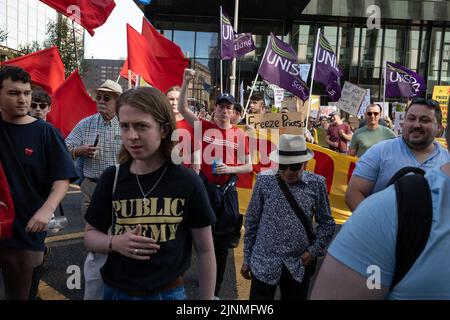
(280, 245)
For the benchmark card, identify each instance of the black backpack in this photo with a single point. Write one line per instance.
(415, 215)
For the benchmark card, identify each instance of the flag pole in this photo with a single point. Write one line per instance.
(130, 84)
(233, 63)
(221, 61)
(74, 43)
(312, 77)
(221, 76)
(251, 92)
(384, 83)
(256, 79)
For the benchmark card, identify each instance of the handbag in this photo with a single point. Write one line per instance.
(311, 269)
(93, 281)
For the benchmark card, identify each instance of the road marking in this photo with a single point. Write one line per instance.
(48, 293)
(72, 192)
(64, 237)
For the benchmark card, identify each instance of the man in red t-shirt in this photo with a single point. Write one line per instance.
(225, 153)
(339, 134)
(185, 132)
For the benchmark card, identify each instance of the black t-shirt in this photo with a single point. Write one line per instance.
(178, 203)
(45, 159)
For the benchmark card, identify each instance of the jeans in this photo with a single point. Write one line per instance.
(177, 293)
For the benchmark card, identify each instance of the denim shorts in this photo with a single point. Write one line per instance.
(177, 293)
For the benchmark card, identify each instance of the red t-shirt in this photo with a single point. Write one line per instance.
(226, 145)
(186, 139)
(333, 135)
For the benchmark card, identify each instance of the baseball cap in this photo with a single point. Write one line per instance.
(226, 97)
(110, 86)
(334, 113)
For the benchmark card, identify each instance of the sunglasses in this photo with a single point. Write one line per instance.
(105, 97)
(293, 166)
(34, 105)
(372, 114)
(428, 102)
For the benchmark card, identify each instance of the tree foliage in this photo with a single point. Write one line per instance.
(60, 34)
(3, 35)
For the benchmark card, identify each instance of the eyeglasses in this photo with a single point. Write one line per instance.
(34, 105)
(293, 166)
(105, 97)
(373, 114)
(428, 102)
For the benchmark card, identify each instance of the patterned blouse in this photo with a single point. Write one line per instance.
(274, 235)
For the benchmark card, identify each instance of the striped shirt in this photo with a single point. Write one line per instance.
(85, 132)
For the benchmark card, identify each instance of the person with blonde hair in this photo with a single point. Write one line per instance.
(153, 217)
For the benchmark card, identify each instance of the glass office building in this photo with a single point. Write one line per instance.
(413, 33)
(25, 21)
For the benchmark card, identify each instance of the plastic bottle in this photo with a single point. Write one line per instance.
(56, 224)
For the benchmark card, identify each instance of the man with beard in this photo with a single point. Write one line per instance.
(415, 148)
(96, 139)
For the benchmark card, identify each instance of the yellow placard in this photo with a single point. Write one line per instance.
(442, 95)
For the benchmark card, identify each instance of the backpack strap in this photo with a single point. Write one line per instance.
(414, 214)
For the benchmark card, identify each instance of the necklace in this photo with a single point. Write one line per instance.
(145, 200)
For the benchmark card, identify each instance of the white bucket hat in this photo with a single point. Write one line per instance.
(291, 149)
(110, 86)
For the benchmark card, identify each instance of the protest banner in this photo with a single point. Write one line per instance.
(442, 95)
(351, 98)
(324, 111)
(278, 95)
(364, 104)
(291, 120)
(398, 123)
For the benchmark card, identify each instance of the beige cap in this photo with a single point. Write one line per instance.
(110, 86)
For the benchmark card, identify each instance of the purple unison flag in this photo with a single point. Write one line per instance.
(280, 66)
(402, 82)
(327, 71)
(226, 36)
(243, 43)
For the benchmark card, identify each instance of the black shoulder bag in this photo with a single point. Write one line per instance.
(303, 219)
(415, 216)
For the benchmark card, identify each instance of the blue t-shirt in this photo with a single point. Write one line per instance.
(385, 158)
(369, 238)
(44, 157)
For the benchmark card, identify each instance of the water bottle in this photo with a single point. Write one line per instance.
(56, 224)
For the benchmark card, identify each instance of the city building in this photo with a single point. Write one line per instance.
(99, 70)
(25, 21)
(364, 34)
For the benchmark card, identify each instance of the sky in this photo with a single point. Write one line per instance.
(110, 40)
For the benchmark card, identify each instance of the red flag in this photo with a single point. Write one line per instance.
(88, 13)
(161, 46)
(124, 72)
(7, 213)
(70, 104)
(156, 59)
(45, 68)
